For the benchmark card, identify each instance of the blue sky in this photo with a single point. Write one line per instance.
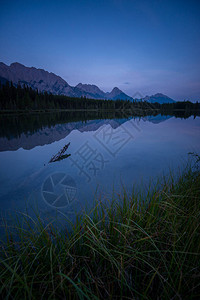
(139, 46)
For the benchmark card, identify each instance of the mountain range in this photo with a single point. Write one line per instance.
(51, 83)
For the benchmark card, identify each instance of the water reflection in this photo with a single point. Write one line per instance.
(106, 154)
(29, 131)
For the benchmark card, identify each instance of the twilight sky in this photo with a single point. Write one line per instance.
(139, 46)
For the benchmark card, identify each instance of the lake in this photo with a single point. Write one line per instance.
(105, 155)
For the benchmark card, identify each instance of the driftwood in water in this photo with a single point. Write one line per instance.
(63, 157)
(60, 155)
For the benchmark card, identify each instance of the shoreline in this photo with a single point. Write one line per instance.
(139, 251)
(135, 111)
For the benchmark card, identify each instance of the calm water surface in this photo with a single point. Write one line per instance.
(104, 155)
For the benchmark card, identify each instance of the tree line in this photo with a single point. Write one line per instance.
(16, 98)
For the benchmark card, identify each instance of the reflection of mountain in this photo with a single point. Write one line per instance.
(48, 135)
(156, 119)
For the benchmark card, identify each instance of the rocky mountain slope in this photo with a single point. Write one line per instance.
(160, 98)
(51, 83)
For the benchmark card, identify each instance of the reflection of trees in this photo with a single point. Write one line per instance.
(12, 126)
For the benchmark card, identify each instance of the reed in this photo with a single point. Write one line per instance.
(129, 249)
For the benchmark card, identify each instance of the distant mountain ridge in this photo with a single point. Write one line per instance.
(51, 83)
(160, 98)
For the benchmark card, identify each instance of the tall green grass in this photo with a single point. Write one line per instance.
(129, 249)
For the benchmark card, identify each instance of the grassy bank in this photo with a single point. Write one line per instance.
(127, 251)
